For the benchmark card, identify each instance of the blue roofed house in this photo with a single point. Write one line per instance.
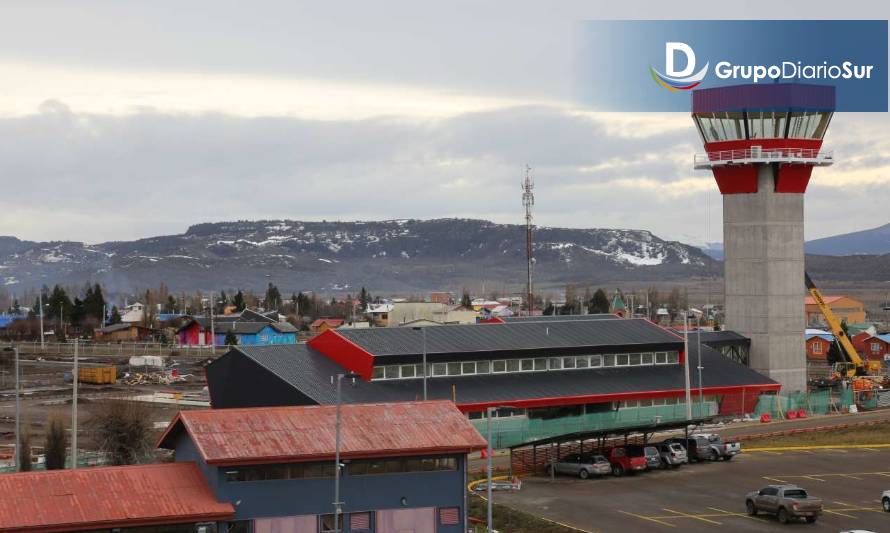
(254, 333)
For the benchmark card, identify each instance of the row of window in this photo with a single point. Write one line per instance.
(359, 522)
(659, 402)
(733, 126)
(539, 364)
(354, 468)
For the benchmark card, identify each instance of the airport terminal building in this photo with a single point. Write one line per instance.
(542, 377)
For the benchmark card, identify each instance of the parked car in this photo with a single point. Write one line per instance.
(695, 450)
(653, 459)
(582, 465)
(785, 501)
(626, 460)
(885, 501)
(718, 448)
(673, 454)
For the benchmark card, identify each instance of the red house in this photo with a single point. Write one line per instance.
(195, 332)
(873, 348)
(818, 345)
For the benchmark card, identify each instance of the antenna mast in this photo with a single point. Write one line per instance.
(528, 200)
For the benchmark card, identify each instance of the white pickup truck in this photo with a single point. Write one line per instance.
(717, 449)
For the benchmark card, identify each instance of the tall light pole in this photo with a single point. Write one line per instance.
(488, 413)
(424, 371)
(40, 303)
(212, 329)
(686, 365)
(701, 387)
(18, 411)
(338, 505)
(76, 379)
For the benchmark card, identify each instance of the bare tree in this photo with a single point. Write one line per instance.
(122, 429)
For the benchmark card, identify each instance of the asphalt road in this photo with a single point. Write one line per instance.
(711, 496)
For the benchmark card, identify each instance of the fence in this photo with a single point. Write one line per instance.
(122, 349)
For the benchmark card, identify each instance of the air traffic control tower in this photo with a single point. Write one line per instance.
(762, 142)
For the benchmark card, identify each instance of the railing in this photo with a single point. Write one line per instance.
(755, 154)
(121, 349)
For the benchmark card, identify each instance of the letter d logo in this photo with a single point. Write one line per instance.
(678, 80)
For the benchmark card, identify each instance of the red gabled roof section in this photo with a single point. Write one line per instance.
(108, 497)
(809, 300)
(306, 433)
(344, 352)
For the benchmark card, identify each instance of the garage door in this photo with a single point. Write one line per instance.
(422, 520)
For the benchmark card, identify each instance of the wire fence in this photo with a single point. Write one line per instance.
(120, 349)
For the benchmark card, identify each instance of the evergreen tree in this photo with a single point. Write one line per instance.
(170, 304)
(115, 317)
(365, 299)
(56, 443)
(273, 298)
(466, 301)
(599, 303)
(238, 301)
(548, 308)
(231, 339)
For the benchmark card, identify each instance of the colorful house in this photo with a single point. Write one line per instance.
(320, 325)
(254, 333)
(817, 343)
(872, 347)
(846, 309)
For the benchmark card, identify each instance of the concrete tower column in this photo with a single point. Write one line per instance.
(763, 242)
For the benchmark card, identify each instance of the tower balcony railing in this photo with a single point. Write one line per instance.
(756, 154)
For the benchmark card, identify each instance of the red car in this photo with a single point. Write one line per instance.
(624, 460)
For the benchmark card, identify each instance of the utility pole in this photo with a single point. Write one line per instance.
(18, 414)
(701, 386)
(40, 303)
(686, 365)
(76, 379)
(338, 505)
(528, 200)
(212, 328)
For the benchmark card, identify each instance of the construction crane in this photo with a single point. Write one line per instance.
(854, 365)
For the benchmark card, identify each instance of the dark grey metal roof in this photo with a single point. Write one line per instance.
(510, 337)
(717, 338)
(557, 318)
(310, 372)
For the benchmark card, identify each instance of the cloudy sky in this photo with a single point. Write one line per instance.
(122, 120)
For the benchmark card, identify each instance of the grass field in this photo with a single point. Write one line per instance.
(876, 434)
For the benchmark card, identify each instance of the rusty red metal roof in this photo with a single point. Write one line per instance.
(306, 433)
(108, 497)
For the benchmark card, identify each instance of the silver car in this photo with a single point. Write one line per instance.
(581, 465)
(673, 454)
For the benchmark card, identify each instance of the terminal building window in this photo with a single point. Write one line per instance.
(538, 364)
(716, 127)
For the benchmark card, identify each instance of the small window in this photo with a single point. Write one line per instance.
(621, 359)
(377, 373)
(391, 371)
(474, 415)
(635, 359)
(360, 522)
(453, 369)
(498, 366)
(239, 526)
(661, 358)
(357, 468)
(482, 367)
(468, 368)
(327, 523)
(394, 466)
(540, 364)
(568, 362)
(555, 363)
(408, 371)
(609, 360)
(376, 467)
(439, 369)
(673, 357)
(648, 358)
(582, 362)
(513, 365)
(596, 361)
(527, 365)
(449, 516)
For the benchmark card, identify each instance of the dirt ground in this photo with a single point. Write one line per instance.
(45, 391)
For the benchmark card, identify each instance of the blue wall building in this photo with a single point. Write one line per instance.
(404, 465)
(257, 333)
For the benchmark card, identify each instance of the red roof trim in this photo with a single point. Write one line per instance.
(598, 398)
(348, 354)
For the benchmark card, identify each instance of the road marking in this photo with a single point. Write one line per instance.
(777, 480)
(838, 513)
(814, 478)
(730, 513)
(833, 448)
(851, 477)
(687, 515)
(871, 449)
(641, 517)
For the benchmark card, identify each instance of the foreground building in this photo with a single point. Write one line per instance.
(541, 377)
(158, 498)
(405, 465)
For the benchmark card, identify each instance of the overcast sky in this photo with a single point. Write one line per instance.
(122, 120)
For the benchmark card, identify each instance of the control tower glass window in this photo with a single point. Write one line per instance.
(721, 126)
(766, 124)
(808, 124)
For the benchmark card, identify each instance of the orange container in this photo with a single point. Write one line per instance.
(97, 375)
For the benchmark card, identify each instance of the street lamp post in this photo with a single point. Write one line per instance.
(18, 411)
(686, 364)
(338, 505)
(701, 386)
(424, 371)
(488, 414)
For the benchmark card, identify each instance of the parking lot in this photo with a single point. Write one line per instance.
(711, 496)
